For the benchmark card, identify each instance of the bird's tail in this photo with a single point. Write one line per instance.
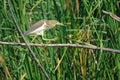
(25, 34)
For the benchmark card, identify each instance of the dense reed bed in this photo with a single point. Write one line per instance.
(84, 24)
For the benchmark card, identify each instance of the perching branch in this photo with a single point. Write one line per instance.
(32, 53)
(63, 45)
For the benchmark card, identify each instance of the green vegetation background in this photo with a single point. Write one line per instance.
(85, 24)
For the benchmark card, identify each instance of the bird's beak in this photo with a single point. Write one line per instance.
(60, 23)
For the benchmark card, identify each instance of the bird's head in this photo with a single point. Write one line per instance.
(53, 23)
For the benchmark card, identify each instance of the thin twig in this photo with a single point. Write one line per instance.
(112, 15)
(32, 53)
(63, 45)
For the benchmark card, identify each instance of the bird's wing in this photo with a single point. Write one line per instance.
(34, 27)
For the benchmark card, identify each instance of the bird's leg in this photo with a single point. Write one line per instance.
(34, 38)
(49, 39)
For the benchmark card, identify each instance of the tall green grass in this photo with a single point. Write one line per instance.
(85, 24)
